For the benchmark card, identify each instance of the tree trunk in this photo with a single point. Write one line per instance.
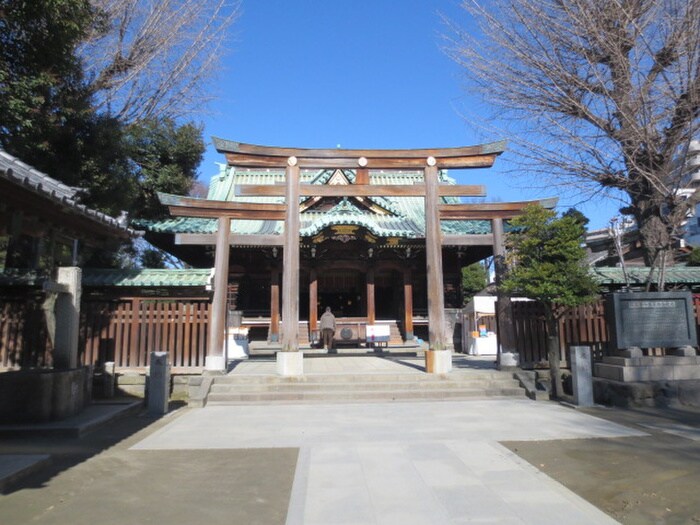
(657, 228)
(553, 353)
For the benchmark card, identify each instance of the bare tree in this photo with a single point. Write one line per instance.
(151, 58)
(605, 92)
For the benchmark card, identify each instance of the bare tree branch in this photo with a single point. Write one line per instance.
(151, 58)
(606, 94)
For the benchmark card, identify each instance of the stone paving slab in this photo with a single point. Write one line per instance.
(15, 466)
(412, 463)
(676, 429)
(89, 419)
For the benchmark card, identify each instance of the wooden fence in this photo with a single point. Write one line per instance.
(120, 329)
(584, 325)
(24, 342)
(127, 329)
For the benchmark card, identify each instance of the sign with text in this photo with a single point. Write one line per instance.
(651, 320)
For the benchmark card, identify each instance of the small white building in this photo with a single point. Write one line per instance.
(479, 326)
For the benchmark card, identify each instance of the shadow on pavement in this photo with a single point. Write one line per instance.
(73, 441)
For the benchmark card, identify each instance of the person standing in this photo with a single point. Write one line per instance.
(327, 328)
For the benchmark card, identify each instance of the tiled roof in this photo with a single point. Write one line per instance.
(15, 171)
(638, 275)
(146, 277)
(406, 216)
(20, 277)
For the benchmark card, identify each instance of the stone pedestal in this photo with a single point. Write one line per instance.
(237, 343)
(290, 363)
(632, 352)
(582, 375)
(636, 369)
(684, 351)
(508, 360)
(215, 363)
(438, 361)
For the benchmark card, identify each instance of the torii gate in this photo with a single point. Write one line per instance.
(290, 359)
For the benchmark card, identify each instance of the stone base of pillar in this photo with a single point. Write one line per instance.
(290, 363)
(684, 351)
(508, 361)
(632, 351)
(438, 361)
(215, 363)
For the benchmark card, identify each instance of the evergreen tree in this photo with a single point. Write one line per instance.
(546, 262)
(166, 156)
(474, 279)
(42, 91)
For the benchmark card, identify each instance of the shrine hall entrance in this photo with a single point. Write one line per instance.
(343, 291)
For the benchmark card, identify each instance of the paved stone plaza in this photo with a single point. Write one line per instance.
(410, 462)
(404, 463)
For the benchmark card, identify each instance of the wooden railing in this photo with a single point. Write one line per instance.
(126, 330)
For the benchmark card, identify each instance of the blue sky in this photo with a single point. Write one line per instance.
(359, 74)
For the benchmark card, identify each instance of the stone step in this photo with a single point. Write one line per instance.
(374, 386)
(462, 377)
(353, 395)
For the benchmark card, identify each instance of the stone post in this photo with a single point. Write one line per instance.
(108, 380)
(67, 317)
(158, 384)
(582, 373)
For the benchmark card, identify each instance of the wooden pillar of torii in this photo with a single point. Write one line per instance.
(289, 361)
(224, 212)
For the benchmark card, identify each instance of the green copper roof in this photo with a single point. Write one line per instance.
(405, 218)
(638, 275)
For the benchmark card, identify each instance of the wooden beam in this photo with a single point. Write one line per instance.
(250, 214)
(209, 239)
(180, 206)
(255, 161)
(468, 240)
(490, 210)
(228, 146)
(360, 190)
(450, 212)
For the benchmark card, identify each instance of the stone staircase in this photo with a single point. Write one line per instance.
(235, 389)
